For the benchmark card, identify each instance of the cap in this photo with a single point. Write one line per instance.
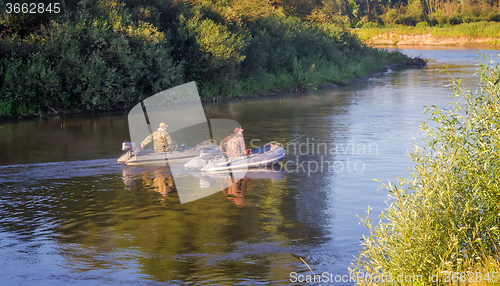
(237, 129)
(163, 125)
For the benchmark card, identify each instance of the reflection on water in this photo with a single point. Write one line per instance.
(159, 179)
(130, 221)
(70, 215)
(236, 191)
(59, 139)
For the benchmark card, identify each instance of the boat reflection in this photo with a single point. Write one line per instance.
(160, 179)
(235, 192)
(237, 188)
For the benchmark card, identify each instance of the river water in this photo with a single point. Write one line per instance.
(69, 214)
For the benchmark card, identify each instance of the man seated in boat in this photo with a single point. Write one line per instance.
(161, 140)
(233, 145)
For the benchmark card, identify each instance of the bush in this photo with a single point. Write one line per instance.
(493, 16)
(445, 217)
(370, 25)
(437, 19)
(467, 18)
(454, 18)
(277, 41)
(5, 103)
(407, 20)
(100, 60)
(390, 16)
(422, 25)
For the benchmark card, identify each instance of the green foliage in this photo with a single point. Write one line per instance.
(390, 16)
(100, 60)
(370, 25)
(232, 52)
(445, 217)
(412, 12)
(108, 54)
(422, 25)
(216, 52)
(5, 103)
(473, 30)
(302, 78)
(40, 14)
(308, 73)
(437, 19)
(493, 16)
(217, 42)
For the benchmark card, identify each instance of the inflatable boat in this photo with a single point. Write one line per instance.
(134, 156)
(214, 161)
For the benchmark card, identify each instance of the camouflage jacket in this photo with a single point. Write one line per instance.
(161, 140)
(233, 146)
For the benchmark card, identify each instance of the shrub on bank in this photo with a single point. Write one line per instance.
(446, 216)
(108, 54)
(101, 60)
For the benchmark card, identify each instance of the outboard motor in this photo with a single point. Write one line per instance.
(127, 146)
(128, 152)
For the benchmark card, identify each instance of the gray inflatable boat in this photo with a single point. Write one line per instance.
(135, 157)
(213, 161)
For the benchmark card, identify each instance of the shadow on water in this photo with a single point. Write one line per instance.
(62, 139)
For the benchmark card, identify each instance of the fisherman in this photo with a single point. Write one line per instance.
(233, 145)
(161, 139)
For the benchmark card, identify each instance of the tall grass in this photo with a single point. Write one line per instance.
(446, 215)
(473, 30)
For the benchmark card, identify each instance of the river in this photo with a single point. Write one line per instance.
(69, 214)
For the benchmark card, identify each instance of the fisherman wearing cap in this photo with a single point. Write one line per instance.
(161, 140)
(233, 145)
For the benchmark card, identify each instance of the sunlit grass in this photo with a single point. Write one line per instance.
(473, 30)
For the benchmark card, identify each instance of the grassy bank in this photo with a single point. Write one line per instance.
(307, 76)
(445, 217)
(466, 33)
(109, 54)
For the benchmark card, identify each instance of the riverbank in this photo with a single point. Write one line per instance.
(108, 55)
(482, 33)
(305, 75)
(409, 63)
(312, 83)
(317, 77)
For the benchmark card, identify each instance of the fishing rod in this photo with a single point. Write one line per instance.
(285, 144)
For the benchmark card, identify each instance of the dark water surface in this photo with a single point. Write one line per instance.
(69, 214)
